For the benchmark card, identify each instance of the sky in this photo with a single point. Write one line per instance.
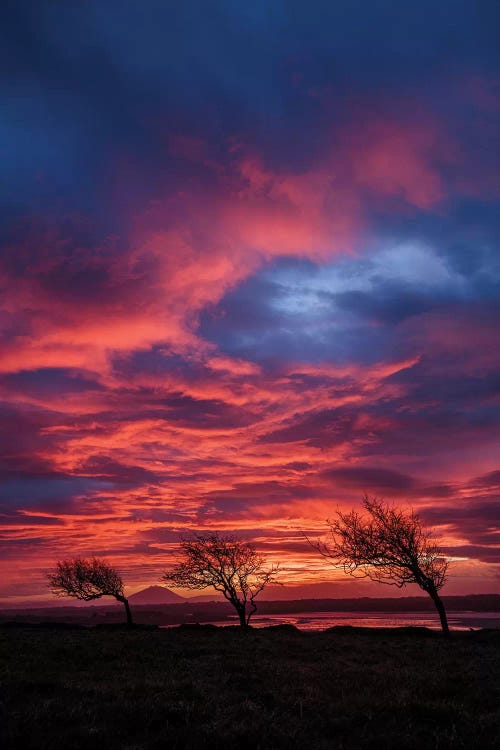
(249, 271)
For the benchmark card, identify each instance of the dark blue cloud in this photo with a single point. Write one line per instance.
(48, 381)
(46, 492)
(82, 80)
(354, 310)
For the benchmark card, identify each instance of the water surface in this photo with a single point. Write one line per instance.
(322, 620)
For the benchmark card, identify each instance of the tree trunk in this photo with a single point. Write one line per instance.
(243, 616)
(124, 601)
(441, 611)
(251, 611)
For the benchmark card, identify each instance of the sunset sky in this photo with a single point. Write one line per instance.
(249, 270)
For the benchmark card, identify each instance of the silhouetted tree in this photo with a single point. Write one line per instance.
(229, 565)
(388, 545)
(88, 579)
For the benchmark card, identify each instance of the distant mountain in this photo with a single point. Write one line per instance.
(156, 595)
(215, 597)
(163, 595)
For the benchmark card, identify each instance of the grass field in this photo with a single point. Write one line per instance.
(272, 688)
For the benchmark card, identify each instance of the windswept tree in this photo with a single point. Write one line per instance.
(388, 545)
(228, 565)
(87, 580)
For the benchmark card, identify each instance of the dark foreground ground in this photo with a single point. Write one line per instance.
(272, 688)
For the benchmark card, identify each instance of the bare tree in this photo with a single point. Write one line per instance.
(88, 579)
(229, 565)
(388, 545)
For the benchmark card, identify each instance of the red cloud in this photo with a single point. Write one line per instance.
(203, 437)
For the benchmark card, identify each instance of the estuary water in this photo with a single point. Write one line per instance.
(313, 621)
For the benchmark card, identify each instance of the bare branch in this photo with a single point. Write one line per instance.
(228, 565)
(387, 545)
(87, 580)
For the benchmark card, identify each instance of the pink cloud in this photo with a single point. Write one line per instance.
(217, 440)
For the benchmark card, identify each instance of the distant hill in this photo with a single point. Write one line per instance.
(208, 606)
(163, 595)
(156, 595)
(215, 597)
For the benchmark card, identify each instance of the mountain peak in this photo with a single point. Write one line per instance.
(156, 595)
